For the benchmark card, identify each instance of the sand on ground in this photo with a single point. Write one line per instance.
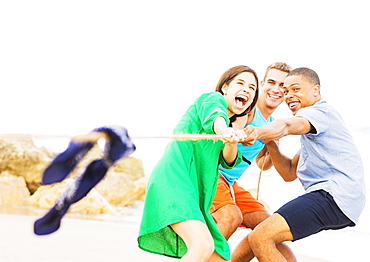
(78, 240)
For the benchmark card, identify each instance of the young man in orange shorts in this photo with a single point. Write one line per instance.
(233, 205)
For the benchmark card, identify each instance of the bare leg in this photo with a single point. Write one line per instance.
(252, 219)
(228, 219)
(267, 235)
(243, 251)
(198, 240)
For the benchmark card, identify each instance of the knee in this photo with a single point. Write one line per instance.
(270, 231)
(208, 247)
(205, 250)
(256, 238)
(237, 219)
(203, 246)
(234, 217)
(229, 215)
(253, 238)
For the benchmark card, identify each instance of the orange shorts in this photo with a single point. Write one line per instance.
(242, 198)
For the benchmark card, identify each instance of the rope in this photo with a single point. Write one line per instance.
(260, 175)
(175, 137)
(182, 137)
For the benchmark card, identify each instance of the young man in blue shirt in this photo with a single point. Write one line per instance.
(328, 165)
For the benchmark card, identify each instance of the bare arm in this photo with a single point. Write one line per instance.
(283, 127)
(275, 130)
(230, 150)
(285, 166)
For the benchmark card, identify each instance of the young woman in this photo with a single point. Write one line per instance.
(176, 221)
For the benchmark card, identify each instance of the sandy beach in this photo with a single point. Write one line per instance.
(79, 240)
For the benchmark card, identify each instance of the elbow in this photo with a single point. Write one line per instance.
(289, 178)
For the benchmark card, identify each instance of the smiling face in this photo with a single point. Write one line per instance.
(239, 94)
(271, 94)
(300, 93)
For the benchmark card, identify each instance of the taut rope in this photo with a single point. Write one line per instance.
(260, 175)
(174, 137)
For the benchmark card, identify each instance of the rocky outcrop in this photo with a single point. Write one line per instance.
(20, 157)
(13, 190)
(124, 183)
(22, 165)
(93, 203)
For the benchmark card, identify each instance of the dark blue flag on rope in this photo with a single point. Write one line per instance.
(118, 145)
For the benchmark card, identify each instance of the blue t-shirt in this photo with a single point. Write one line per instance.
(249, 153)
(329, 160)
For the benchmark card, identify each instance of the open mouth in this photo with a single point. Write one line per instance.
(293, 105)
(241, 101)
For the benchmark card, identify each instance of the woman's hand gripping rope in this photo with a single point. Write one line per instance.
(250, 135)
(246, 136)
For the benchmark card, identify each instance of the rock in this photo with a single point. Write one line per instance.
(131, 166)
(93, 203)
(123, 184)
(13, 190)
(45, 197)
(21, 157)
(121, 190)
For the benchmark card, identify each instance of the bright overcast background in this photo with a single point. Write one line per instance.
(67, 67)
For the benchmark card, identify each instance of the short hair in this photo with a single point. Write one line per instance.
(229, 76)
(307, 74)
(278, 66)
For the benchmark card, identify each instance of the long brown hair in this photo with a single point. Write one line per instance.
(229, 76)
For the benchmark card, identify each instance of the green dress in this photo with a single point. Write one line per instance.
(183, 183)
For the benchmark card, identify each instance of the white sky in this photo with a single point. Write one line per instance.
(67, 67)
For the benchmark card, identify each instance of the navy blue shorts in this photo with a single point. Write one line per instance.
(312, 213)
